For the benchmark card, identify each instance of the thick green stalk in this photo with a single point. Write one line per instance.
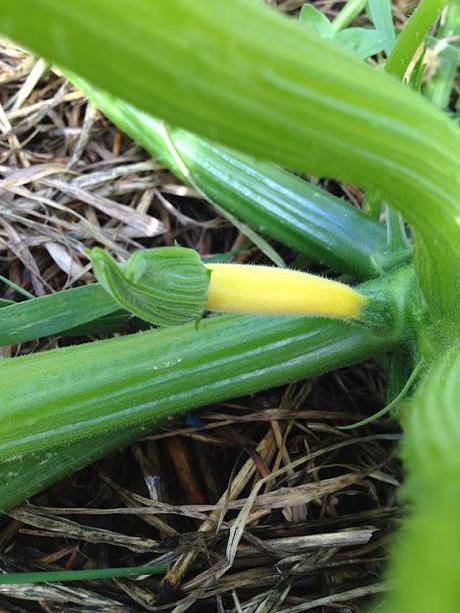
(269, 199)
(255, 80)
(426, 570)
(191, 371)
(30, 473)
(65, 394)
(101, 387)
(264, 350)
(52, 405)
(398, 62)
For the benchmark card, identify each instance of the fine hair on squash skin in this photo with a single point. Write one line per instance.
(170, 286)
(262, 289)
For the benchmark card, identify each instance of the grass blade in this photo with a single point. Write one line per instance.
(413, 35)
(80, 575)
(55, 314)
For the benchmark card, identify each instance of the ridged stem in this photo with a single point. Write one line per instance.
(65, 394)
(75, 405)
(102, 387)
(61, 395)
(272, 201)
(256, 81)
(426, 569)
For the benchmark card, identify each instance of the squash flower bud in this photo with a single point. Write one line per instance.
(171, 285)
(241, 288)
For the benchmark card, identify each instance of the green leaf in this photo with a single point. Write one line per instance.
(381, 17)
(363, 42)
(316, 20)
(166, 286)
(54, 314)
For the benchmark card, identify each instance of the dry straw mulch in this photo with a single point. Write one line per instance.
(260, 504)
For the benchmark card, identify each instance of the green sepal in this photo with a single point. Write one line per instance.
(385, 309)
(378, 312)
(166, 286)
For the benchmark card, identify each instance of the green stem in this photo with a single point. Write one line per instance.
(391, 405)
(349, 12)
(51, 404)
(16, 287)
(149, 377)
(49, 398)
(269, 199)
(426, 570)
(30, 473)
(329, 114)
(407, 43)
(413, 35)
